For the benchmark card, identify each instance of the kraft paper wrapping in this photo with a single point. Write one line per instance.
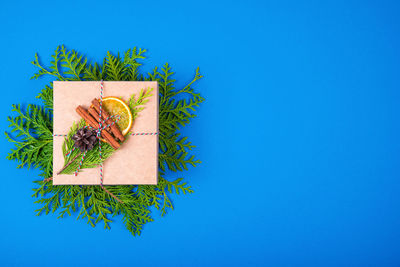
(136, 161)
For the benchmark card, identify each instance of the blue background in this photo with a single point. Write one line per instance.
(298, 136)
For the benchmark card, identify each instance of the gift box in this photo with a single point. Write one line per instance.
(136, 161)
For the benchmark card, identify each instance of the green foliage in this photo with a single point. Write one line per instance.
(47, 96)
(31, 133)
(137, 104)
(33, 138)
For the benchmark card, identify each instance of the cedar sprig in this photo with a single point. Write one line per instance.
(136, 104)
(31, 133)
(47, 96)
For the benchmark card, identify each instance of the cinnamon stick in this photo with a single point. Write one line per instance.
(104, 114)
(95, 115)
(92, 122)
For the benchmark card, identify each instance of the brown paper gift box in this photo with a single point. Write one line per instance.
(136, 161)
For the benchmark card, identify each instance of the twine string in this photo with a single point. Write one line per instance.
(144, 133)
(99, 132)
(80, 163)
(98, 136)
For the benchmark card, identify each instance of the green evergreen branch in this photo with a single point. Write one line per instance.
(31, 134)
(114, 67)
(93, 73)
(132, 66)
(33, 137)
(72, 62)
(137, 105)
(47, 96)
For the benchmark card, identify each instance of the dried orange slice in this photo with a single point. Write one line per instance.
(116, 106)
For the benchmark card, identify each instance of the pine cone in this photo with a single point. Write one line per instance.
(85, 139)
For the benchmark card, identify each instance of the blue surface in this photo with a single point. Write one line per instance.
(299, 136)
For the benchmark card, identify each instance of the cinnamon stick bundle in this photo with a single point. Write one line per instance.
(104, 114)
(92, 122)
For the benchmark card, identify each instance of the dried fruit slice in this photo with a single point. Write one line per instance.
(116, 106)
